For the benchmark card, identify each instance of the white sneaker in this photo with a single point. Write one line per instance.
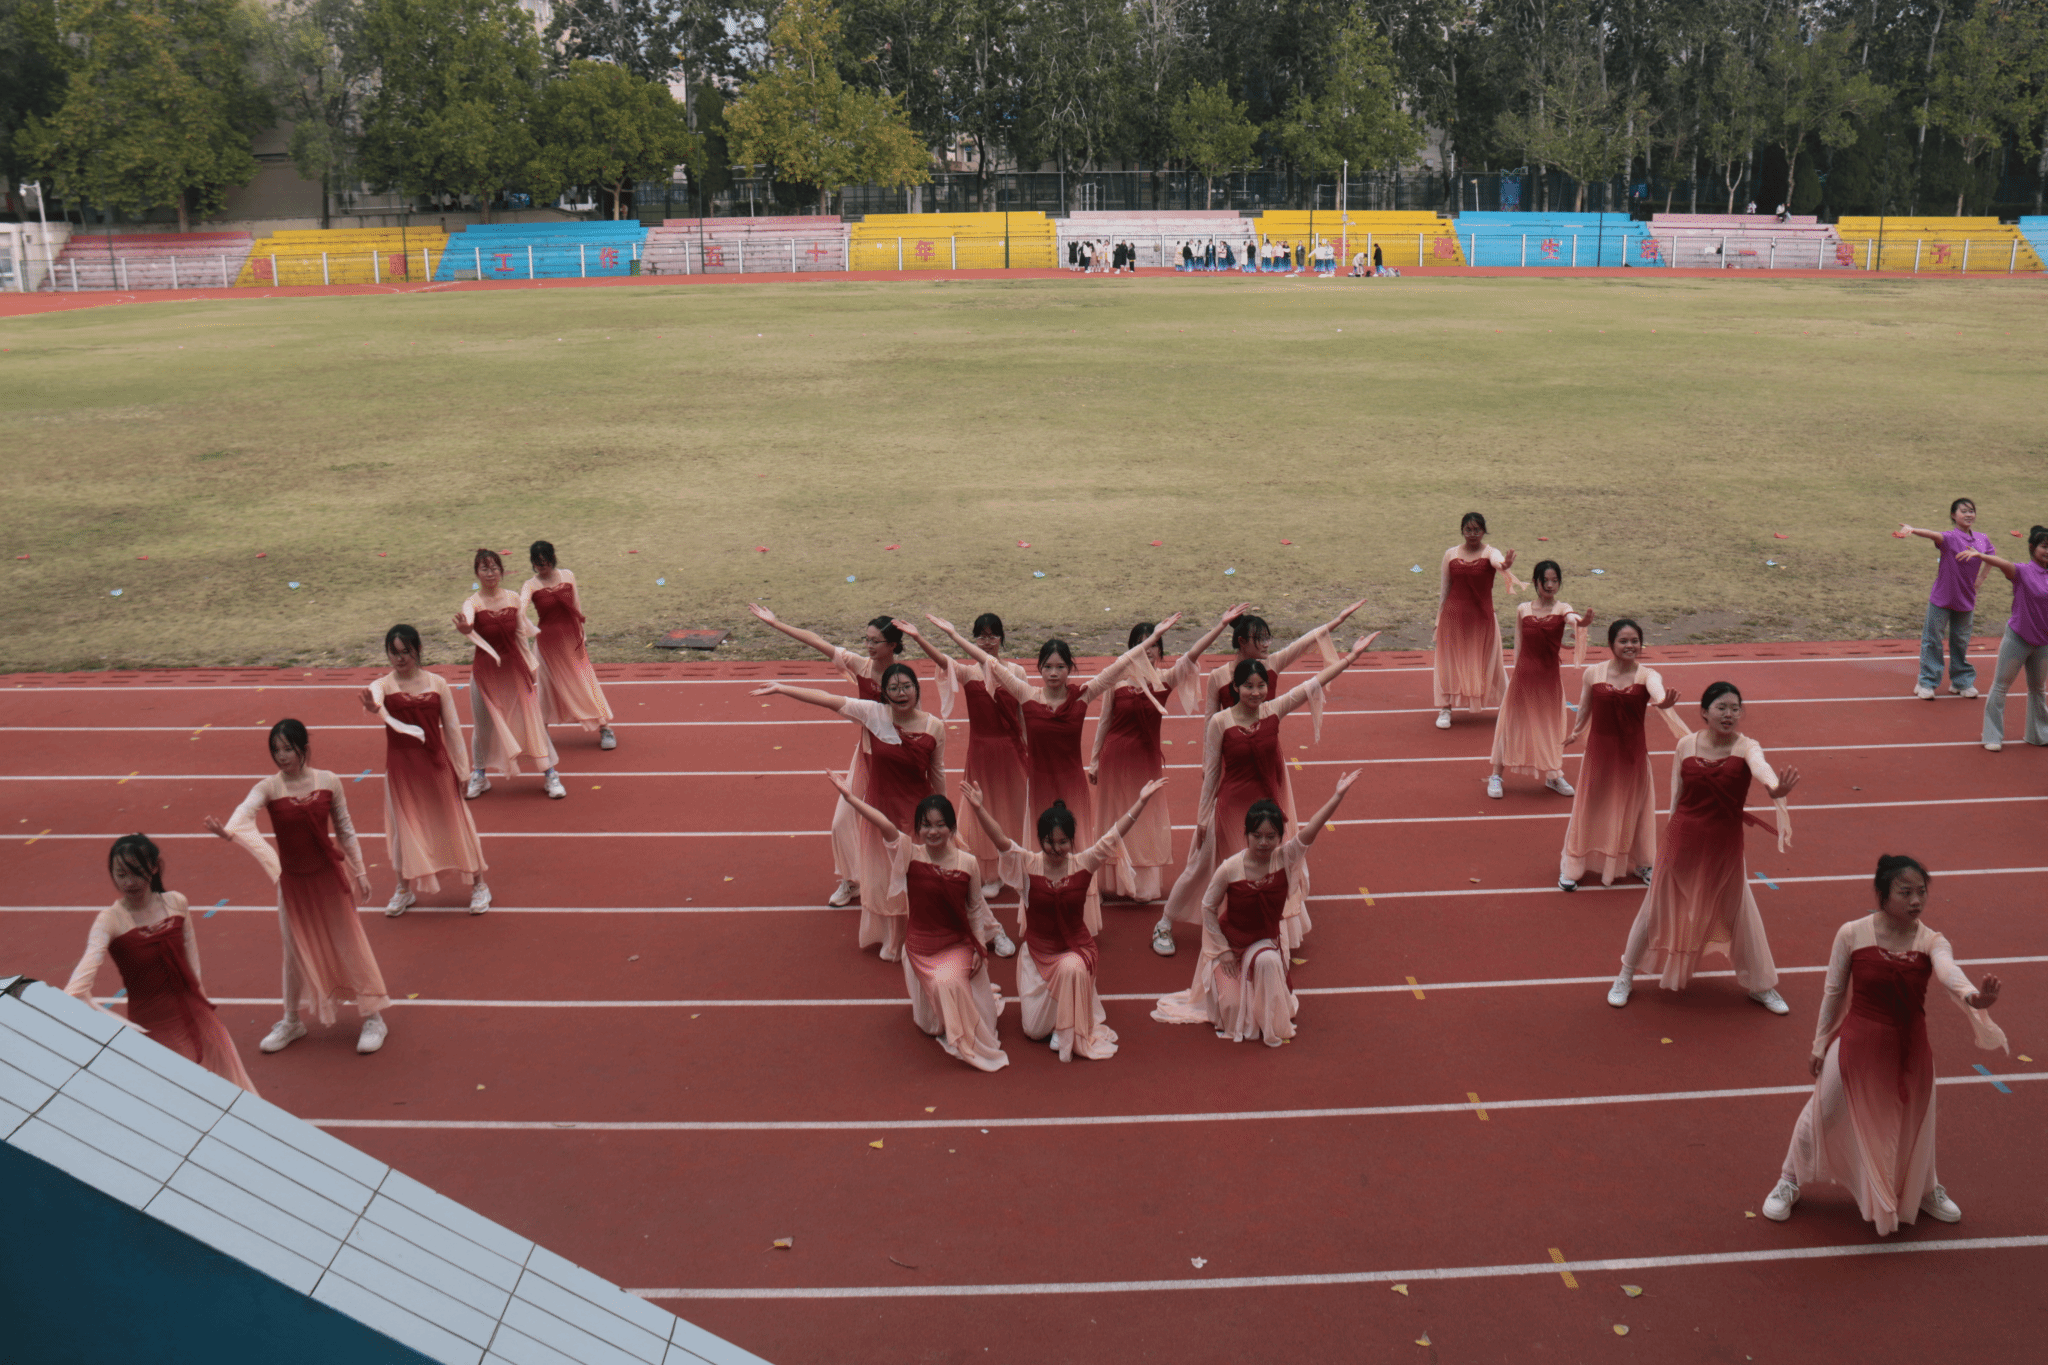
(1923, 693)
(1968, 694)
(555, 790)
(282, 1035)
(1771, 1001)
(844, 893)
(1003, 946)
(606, 739)
(1937, 1204)
(1567, 884)
(478, 785)
(1493, 788)
(990, 890)
(1162, 939)
(1778, 1203)
(1560, 786)
(1443, 719)
(372, 1036)
(401, 901)
(1618, 993)
(479, 899)
(1994, 745)
(1643, 874)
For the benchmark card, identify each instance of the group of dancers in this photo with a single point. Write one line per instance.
(1065, 833)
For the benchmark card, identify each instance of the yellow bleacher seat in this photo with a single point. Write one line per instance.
(351, 256)
(1405, 238)
(944, 241)
(1929, 244)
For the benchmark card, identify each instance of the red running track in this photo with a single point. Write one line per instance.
(660, 1053)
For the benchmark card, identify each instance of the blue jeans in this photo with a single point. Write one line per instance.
(2013, 652)
(1955, 625)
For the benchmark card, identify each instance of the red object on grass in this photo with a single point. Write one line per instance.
(142, 556)
(1286, 542)
(892, 547)
(1158, 542)
(263, 554)
(1023, 544)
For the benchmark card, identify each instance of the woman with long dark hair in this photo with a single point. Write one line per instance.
(949, 929)
(504, 700)
(569, 691)
(150, 934)
(1869, 1124)
(1613, 828)
(427, 826)
(1528, 734)
(1470, 672)
(327, 957)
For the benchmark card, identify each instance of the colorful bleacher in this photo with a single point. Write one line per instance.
(345, 256)
(1555, 239)
(1747, 241)
(1981, 246)
(2035, 230)
(753, 246)
(948, 241)
(542, 251)
(1157, 235)
(150, 260)
(1404, 238)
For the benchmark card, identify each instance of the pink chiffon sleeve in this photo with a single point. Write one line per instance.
(854, 666)
(1762, 771)
(935, 771)
(1578, 628)
(1990, 1036)
(1227, 871)
(1212, 768)
(900, 849)
(1319, 637)
(451, 725)
(1834, 999)
(242, 829)
(1185, 679)
(79, 987)
(1310, 692)
(1102, 729)
(1294, 857)
(344, 828)
(980, 919)
(1654, 681)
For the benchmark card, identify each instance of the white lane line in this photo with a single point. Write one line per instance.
(1115, 1120)
(1621, 1265)
(821, 908)
(898, 1001)
(817, 673)
(824, 833)
(674, 724)
(814, 772)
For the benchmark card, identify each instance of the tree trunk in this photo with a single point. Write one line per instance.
(326, 200)
(184, 219)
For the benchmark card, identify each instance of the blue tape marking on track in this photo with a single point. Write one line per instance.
(365, 773)
(1996, 1084)
(118, 994)
(216, 908)
(1767, 881)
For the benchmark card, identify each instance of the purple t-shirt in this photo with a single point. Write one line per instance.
(2029, 618)
(1955, 585)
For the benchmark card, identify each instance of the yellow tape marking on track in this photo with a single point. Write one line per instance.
(37, 837)
(1416, 986)
(1367, 893)
(1475, 1106)
(1558, 1257)
(124, 781)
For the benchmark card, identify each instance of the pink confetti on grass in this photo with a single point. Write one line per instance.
(1157, 543)
(142, 556)
(1779, 535)
(263, 554)
(1286, 542)
(762, 548)
(892, 547)
(1023, 544)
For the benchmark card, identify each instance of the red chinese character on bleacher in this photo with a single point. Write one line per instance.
(397, 269)
(924, 251)
(1941, 251)
(816, 251)
(1550, 247)
(504, 259)
(1652, 250)
(1844, 254)
(714, 254)
(1446, 248)
(608, 258)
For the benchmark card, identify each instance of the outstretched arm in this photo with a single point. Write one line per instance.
(829, 700)
(864, 810)
(1906, 531)
(1315, 824)
(931, 651)
(1998, 562)
(1202, 646)
(1282, 658)
(1106, 679)
(796, 633)
(1294, 697)
(1130, 817)
(996, 835)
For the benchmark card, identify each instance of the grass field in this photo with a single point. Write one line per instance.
(907, 436)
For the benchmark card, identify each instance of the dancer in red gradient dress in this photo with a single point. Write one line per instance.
(996, 759)
(880, 643)
(1613, 828)
(1128, 754)
(1469, 668)
(902, 761)
(950, 930)
(1528, 735)
(151, 937)
(1869, 1124)
(1241, 986)
(504, 696)
(1252, 638)
(1053, 716)
(427, 827)
(569, 692)
(1241, 766)
(1056, 971)
(327, 958)
(1700, 901)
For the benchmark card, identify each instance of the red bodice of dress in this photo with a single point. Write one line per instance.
(1539, 643)
(1055, 737)
(500, 630)
(304, 848)
(1133, 737)
(1252, 766)
(992, 720)
(1615, 732)
(1887, 1021)
(557, 609)
(1710, 797)
(1252, 909)
(899, 776)
(937, 901)
(422, 709)
(1468, 591)
(162, 996)
(1054, 924)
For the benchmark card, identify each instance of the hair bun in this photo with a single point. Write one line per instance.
(1059, 805)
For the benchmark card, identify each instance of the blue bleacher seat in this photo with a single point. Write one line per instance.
(542, 251)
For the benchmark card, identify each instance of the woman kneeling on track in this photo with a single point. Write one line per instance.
(1056, 972)
(950, 931)
(1241, 986)
(327, 958)
(1700, 900)
(1869, 1124)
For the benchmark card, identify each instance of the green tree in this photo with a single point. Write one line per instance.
(157, 110)
(31, 79)
(1212, 133)
(1073, 82)
(1356, 116)
(1989, 80)
(1812, 88)
(603, 127)
(456, 89)
(800, 118)
(1582, 125)
(314, 60)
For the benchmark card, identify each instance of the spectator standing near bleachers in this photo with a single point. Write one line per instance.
(1187, 257)
(1470, 672)
(1951, 603)
(1358, 270)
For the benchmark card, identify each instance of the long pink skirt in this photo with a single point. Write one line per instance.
(1064, 1007)
(1150, 842)
(953, 1000)
(504, 709)
(569, 692)
(325, 943)
(1000, 771)
(1256, 1005)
